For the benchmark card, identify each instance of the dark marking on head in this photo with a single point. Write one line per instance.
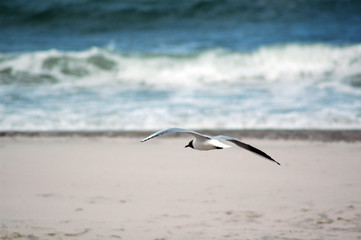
(190, 144)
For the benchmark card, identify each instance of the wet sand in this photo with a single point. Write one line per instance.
(118, 188)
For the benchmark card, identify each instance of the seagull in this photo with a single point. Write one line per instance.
(204, 142)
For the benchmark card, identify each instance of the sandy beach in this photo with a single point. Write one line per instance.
(119, 188)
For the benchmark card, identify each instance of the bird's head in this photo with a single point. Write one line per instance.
(190, 144)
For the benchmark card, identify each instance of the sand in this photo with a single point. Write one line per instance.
(119, 188)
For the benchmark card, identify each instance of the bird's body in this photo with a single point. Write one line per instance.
(204, 142)
(208, 144)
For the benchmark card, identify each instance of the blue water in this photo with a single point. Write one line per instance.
(130, 65)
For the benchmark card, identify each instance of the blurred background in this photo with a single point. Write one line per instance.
(93, 65)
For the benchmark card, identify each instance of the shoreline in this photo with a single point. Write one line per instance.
(324, 135)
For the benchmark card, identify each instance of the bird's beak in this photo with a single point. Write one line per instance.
(187, 146)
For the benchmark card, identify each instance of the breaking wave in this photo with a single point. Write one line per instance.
(290, 86)
(288, 63)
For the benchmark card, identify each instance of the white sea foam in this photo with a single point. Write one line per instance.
(291, 86)
(290, 63)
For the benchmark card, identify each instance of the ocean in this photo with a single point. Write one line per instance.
(93, 65)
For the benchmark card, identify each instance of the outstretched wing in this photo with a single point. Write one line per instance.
(246, 146)
(174, 130)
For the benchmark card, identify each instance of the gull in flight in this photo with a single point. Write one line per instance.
(204, 142)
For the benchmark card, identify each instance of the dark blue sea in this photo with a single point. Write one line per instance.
(135, 65)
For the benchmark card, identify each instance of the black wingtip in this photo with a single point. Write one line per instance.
(275, 161)
(270, 158)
